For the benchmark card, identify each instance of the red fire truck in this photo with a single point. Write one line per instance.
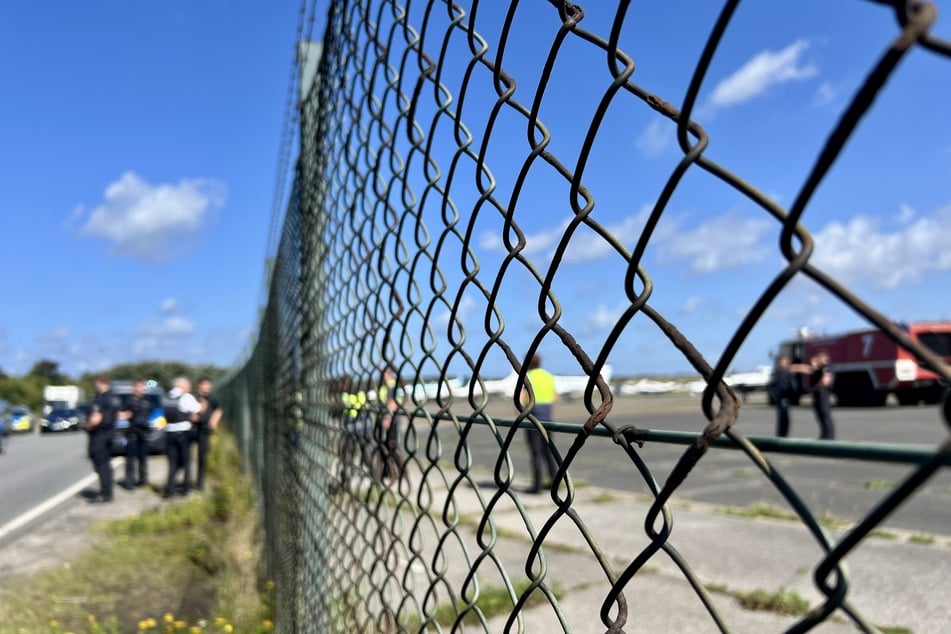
(868, 366)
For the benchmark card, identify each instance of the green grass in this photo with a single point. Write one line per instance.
(163, 570)
(922, 539)
(880, 485)
(883, 534)
(760, 511)
(783, 601)
(828, 520)
(605, 497)
(895, 629)
(786, 602)
(492, 601)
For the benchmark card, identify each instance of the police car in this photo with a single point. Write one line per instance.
(60, 420)
(20, 419)
(156, 436)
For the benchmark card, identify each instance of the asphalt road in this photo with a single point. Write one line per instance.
(841, 488)
(35, 467)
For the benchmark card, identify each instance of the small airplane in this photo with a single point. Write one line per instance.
(746, 382)
(650, 386)
(432, 389)
(567, 385)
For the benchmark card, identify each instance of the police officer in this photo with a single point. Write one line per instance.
(820, 382)
(137, 411)
(101, 427)
(389, 396)
(780, 389)
(181, 409)
(354, 439)
(207, 423)
(820, 387)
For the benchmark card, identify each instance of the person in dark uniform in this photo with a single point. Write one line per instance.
(820, 382)
(206, 425)
(350, 409)
(389, 398)
(181, 409)
(780, 389)
(820, 387)
(101, 427)
(137, 411)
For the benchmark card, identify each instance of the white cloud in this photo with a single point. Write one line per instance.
(170, 326)
(539, 242)
(466, 308)
(906, 214)
(152, 222)
(803, 303)
(169, 334)
(862, 251)
(656, 137)
(724, 242)
(74, 353)
(825, 94)
(690, 305)
(544, 240)
(169, 305)
(766, 69)
(586, 245)
(727, 241)
(169, 337)
(489, 241)
(602, 319)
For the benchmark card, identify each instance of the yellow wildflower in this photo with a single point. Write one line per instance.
(229, 628)
(180, 625)
(168, 617)
(268, 625)
(220, 620)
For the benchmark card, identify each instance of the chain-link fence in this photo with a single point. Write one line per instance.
(393, 492)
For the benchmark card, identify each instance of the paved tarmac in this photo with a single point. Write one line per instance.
(893, 580)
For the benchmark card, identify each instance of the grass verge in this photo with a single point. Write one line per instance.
(492, 601)
(192, 566)
(783, 601)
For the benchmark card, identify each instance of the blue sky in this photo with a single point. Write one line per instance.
(140, 144)
(779, 82)
(138, 159)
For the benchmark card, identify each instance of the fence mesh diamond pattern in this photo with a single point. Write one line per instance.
(392, 495)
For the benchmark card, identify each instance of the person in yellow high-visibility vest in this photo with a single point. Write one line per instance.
(542, 385)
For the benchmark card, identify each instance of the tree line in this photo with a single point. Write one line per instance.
(28, 389)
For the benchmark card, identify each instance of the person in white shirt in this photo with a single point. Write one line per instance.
(181, 410)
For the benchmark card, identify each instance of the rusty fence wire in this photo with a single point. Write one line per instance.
(392, 493)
